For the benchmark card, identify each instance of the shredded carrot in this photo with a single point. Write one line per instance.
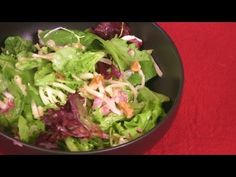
(135, 66)
(96, 81)
(126, 108)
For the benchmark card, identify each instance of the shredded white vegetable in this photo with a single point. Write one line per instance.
(110, 103)
(130, 37)
(126, 83)
(8, 95)
(93, 92)
(3, 105)
(76, 78)
(86, 76)
(63, 87)
(158, 70)
(35, 111)
(143, 77)
(105, 60)
(108, 88)
(47, 56)
(40, 111)
(85, 102)
(19, 83)
(43, 96)
(40, 40)
(127, 74)
(52, 96)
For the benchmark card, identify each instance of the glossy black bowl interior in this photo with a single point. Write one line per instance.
(165, 54)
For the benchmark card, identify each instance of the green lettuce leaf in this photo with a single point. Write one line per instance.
(7, 58)
(109, 120)
(63, 56)
(145, 94)
(106, 122)
(148, 69)
(30, 63)
(44, 75)
(29, 130)
(137, 125)
(15, 44)
(23, 129)
(69, 61)
(119, 50)
(135, 79)
(84, 63)
(147, 110)
(4, 83)
(76, 144)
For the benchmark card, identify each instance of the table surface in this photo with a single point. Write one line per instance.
(206, 119)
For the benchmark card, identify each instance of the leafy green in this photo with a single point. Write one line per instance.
(29, 130)
(139, 122)
(145, 94)
(45, 75)
(4, 125)
(137, 106)
(30, 63)
(119, 127)
(70, 82)
(153, 103)
(162, 97)
(119, 50)
(27, 76)
(23, 129)
(97, 116)
(147, 111)
(85, 63)
(69, 61)
(63, 56)
(109, 120)
(61, 37)
(7, 58)
(4, 83)
(33, 93)
(75, 144)
(106, 122)
(15, 44)
(35, 128)
(148, 69)
(76, 52)
(27, 112)
(91, 41)
(71, 144)
(7, 66)
(135, 79)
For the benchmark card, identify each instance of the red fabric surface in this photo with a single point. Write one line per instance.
(206, 119)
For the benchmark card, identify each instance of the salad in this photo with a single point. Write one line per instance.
(78, 90)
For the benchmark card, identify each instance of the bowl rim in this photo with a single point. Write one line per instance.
(168, 115)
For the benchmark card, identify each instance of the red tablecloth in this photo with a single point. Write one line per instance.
(206, 120)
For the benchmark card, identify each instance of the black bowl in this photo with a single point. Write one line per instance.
(171, 84)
